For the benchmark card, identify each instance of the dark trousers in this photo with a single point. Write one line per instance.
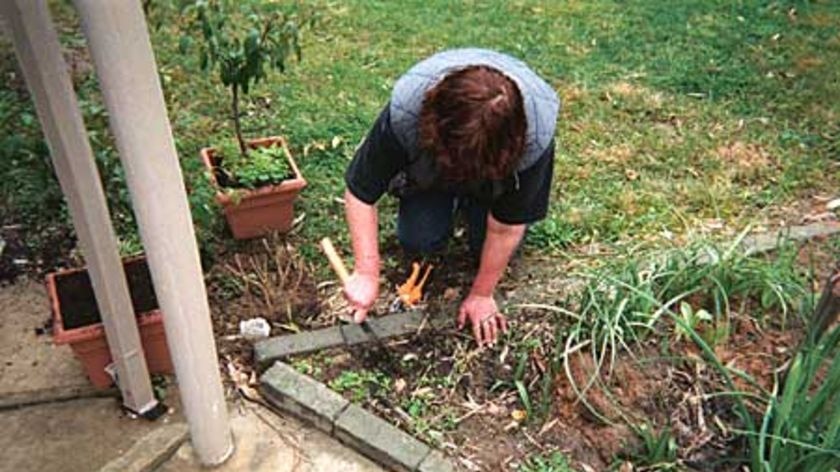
(426, 220)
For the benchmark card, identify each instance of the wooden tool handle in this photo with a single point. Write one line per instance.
(335, 260)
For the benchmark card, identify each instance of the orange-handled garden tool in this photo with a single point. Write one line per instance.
(410, 293)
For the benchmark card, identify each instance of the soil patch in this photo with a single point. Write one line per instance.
(33, 252)
(78, 302)
(491, 409)
(468, 403)
(264, 278)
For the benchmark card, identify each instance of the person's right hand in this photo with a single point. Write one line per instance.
(361, 290)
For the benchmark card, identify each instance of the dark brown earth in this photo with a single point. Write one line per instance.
(470, 403)
(78, 303)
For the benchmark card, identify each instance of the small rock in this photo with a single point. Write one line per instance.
(833, 205)
(254, 329)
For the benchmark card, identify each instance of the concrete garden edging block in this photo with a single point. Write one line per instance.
(302, 396)
(379, 440)
(307, 399)
(277, 348)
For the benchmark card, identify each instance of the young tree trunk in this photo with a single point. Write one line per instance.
(236, 124)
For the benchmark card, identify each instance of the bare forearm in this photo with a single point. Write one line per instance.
(363, 220)
(499, 245)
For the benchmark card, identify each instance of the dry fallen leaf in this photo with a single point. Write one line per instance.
(519, 415)
(399, 385)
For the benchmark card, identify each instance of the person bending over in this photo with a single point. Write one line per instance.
(468, 130)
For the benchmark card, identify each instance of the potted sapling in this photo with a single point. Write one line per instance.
(256, 180)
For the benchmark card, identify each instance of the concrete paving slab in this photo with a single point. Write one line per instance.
(75, 436)
(29, 361)
(265, 442)
(151, 451)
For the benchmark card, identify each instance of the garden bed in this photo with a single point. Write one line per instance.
(509, 408)
(436, 386)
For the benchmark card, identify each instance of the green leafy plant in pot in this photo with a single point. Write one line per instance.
(257, 180)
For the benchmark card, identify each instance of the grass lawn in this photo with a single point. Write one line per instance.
(675, 113)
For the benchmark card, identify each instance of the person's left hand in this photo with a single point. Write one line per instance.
(487, 322)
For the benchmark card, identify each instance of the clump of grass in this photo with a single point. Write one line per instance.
(623, 301)
(701, 285)
(800, 429)
(800, 426)
(658, 450)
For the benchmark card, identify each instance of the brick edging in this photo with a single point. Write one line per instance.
(311, 401)
(277, 348)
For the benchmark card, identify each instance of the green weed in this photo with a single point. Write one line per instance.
(307, 366)
(554, 462)
(360, 385)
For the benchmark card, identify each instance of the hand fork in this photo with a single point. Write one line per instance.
(410, 293)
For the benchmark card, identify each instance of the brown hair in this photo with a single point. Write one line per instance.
(474, 123)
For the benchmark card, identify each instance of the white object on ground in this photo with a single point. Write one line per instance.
(254, 329)
(833, 205)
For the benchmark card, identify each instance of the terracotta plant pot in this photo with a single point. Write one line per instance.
(253, 213)
(77, 322)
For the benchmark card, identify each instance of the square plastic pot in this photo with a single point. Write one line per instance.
(254, 213)
(77, 322)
